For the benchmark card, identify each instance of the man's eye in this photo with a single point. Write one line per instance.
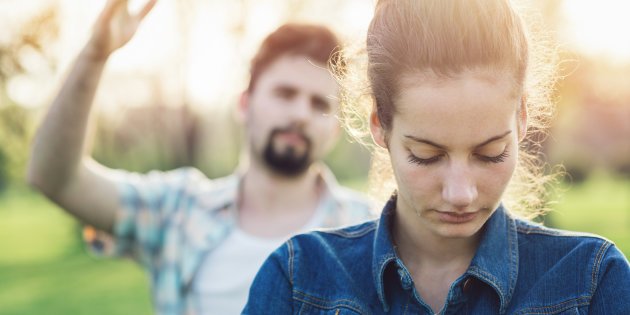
(321, 106)
(285, 93)
(420, 161)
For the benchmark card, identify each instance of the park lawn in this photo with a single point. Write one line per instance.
(600, 205)
(44, 268)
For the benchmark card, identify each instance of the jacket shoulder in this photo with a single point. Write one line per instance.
(532, 229)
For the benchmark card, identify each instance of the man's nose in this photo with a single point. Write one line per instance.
(301, 110)
(459, 188)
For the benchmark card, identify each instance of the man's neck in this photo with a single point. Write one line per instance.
(275, 205)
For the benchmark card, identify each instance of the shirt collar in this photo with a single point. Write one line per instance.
(222, 193)
(495, 262)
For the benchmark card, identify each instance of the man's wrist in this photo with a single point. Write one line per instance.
(94, 53)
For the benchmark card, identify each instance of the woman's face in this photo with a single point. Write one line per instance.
(453, 146)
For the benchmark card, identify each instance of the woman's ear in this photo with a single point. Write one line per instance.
(522, 119)
(378, 133)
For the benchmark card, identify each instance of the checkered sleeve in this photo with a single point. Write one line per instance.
(147, 201)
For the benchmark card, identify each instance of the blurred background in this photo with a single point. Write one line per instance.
(167, 100)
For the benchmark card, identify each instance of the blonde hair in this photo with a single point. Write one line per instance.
(447, 37)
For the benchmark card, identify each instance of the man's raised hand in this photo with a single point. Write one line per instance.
(114, 27)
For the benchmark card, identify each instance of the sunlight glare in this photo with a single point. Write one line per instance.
(599, 27)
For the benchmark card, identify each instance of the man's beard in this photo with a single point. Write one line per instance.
(288, 162)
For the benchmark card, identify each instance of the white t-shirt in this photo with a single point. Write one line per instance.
(224, 278)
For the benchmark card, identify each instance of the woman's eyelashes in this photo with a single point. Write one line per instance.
(494, 159)
(436, 158)
(420, 161)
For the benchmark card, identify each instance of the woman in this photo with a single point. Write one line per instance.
(451, 83)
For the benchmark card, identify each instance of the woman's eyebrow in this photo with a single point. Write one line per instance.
(443, 147)
(495, 138)
(425, 141)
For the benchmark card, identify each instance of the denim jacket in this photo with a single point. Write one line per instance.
(519, 268)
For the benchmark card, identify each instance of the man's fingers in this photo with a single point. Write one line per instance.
(146, 9)
(110, 9)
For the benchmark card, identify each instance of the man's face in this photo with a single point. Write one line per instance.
(291, 115)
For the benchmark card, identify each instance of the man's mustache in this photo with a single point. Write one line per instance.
(291, 129)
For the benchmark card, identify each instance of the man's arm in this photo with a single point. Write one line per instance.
(58, 166)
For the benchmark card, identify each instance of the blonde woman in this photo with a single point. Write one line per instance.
(450, 81)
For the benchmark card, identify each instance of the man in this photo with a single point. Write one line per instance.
(203, 240)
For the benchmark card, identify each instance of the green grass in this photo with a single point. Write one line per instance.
(600, 205)
(44, 268)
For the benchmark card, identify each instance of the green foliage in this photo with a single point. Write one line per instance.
(349, 161)
(14, 143)
(45, 270)
(148, 138)
(600, 204)
(4, 176)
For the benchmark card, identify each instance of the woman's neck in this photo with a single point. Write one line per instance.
(434, 262)
(420, 247)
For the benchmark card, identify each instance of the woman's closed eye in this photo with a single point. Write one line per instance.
(436, 158)
(422, 161)
(494, 159)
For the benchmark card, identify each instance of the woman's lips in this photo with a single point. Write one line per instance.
(455, 217)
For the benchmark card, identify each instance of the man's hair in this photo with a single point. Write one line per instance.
(316, 42)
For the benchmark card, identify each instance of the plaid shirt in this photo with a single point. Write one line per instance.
(169, 222)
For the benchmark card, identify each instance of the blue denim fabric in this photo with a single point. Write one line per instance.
(519, 268)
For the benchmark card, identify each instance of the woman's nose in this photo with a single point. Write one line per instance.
(459, 188)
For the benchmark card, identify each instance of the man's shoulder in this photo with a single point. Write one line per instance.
(357, 206)
(351, 195)
(196, 182)
(174, 177)
(169, 188)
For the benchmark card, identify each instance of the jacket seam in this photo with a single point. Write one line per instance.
(513, 251)
(579, 301)
(491, 279)
(541, 231)
(314, 301)
(598, 260)
(354, 234)
(291, 256)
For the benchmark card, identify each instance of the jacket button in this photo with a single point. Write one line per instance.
(405, 280)
(467, 284)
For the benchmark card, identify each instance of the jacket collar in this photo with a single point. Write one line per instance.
(495, 263)
(384, 253)
(496, 260)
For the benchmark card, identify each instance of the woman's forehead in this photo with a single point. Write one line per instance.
(467, 106)
(468, 90)
(433, 79)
